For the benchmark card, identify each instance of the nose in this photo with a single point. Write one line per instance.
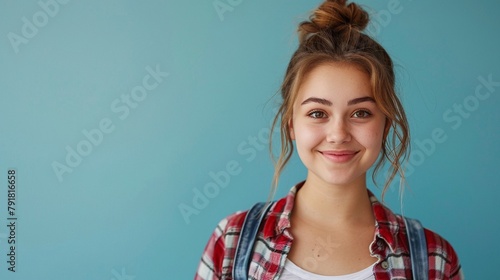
(338, 131)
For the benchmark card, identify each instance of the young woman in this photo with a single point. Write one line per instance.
(341, 110)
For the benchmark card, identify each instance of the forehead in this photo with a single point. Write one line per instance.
(335, 81)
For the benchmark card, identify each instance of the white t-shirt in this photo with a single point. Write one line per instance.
(293, 272)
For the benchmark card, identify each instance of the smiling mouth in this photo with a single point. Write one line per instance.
(339, 156)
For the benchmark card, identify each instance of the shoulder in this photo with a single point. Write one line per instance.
(230, 225)
(218, 256)
(220, 248)
(437, 246)
(443, 259)
(227, 233)
(442, 256)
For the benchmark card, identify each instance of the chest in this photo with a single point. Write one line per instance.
(334, 252)
(269, 257)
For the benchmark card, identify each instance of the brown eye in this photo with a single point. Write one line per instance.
(361, 114)
(317, 114)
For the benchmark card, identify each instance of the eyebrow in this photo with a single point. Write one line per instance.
(360, 100)
(329, 103)
(317, 100)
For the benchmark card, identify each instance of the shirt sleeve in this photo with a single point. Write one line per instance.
(456, 272)
(210, 267)
(216, 261)
(443, 259)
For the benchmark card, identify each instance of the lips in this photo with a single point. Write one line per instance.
(339, 156)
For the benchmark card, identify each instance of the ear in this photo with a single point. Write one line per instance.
(290, 129)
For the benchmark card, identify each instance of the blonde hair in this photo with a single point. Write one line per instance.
(333, 33)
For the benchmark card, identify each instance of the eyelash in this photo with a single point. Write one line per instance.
(366, 113)
(312, 113)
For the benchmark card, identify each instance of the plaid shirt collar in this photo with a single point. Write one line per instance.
(386, 223)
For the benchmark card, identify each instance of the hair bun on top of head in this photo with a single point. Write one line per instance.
(334, 16)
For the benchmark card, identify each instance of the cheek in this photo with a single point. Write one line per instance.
(377, 141)
(307, 137)
(371, 137)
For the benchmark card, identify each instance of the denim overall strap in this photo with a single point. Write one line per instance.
(244, 248)
(418, 249)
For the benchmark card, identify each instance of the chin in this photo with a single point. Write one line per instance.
(337, 174)
(339, 180)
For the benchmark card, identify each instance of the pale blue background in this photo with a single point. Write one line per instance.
(117, 214)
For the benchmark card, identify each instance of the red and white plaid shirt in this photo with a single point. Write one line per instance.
(273, 243)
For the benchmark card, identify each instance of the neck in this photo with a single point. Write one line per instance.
(333, 206)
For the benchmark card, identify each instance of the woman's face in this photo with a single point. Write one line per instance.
(336, 125)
